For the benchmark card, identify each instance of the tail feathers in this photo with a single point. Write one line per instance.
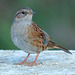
(66, 50)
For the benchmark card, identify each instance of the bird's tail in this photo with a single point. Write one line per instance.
(52, 45)
(64, 49)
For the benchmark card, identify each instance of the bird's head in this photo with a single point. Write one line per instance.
(24, 14)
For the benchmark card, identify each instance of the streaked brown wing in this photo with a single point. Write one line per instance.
(37, 36)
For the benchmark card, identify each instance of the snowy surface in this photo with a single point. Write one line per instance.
(51, 63)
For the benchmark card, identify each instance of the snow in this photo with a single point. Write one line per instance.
(51, 63)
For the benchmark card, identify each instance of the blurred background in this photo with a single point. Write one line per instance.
(56, 17)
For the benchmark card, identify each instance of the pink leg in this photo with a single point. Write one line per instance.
(31, 64)
(23, 61)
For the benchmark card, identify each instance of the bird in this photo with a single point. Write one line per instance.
(29, 37)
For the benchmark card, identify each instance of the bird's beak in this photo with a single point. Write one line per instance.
(32, 12)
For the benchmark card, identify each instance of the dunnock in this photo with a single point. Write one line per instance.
(29, 37)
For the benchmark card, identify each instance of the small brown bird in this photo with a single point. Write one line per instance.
(29, 37)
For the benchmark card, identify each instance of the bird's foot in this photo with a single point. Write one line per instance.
(22, 63)
(32, 64)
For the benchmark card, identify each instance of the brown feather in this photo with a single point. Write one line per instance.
(36, 35)
(38, 38)
(52, 45)
(64, 49)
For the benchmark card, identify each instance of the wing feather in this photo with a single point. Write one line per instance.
(37, 36)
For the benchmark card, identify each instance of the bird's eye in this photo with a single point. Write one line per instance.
(23, 12)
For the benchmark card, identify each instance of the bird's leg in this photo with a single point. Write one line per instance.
(31, 64)
(23, 61)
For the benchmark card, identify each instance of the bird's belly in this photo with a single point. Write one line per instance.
(25, 45)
